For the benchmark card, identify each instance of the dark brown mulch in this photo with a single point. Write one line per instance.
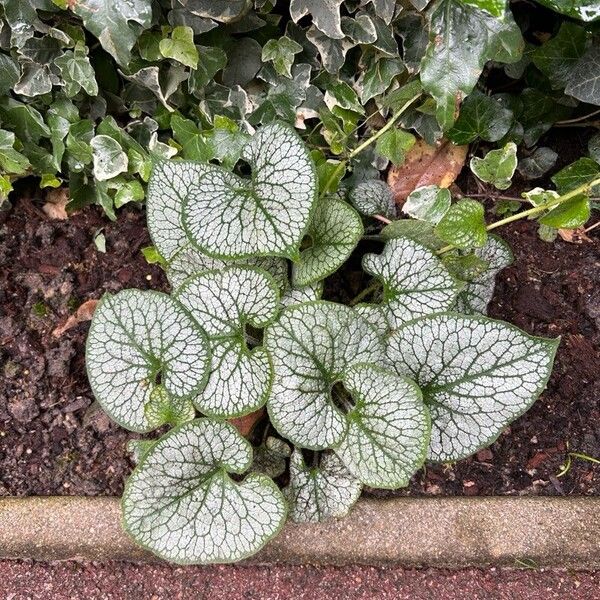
(53, 440)
(122, 581)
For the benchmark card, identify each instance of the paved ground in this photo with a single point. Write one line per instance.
(121, 581)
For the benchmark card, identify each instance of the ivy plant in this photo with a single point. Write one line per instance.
(358, 391)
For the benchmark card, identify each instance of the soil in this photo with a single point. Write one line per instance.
(55, 440)
(20, 580)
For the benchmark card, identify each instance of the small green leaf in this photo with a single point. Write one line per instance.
(497, 167)
(476, 295)
(579, 173)
(394, 144)
(152, 256)
(570, 214)
(108, 156)
(416, 283)
(418, 231)
(374, 197)
(128, 191)
(334, 231)
(77, 72)
(180, 47)
(137, 337)
(463, 225)
(11, 161)
(389, 428)
(312, 346)
(281, 52)
(321, 493)
(477, 375)
(194, 142)
(223, 303)
(163, 409)
(227, 216)
(429, 203)
(189, 510)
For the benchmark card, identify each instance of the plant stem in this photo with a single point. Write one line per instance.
(341, 167)
(535, 210)
(374, 286)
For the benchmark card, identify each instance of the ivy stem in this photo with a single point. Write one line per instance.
(535, 210)
(341, 167)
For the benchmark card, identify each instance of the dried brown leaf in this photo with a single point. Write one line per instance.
(246, 424)
(427, 165)
(84, 313)
(574, 236)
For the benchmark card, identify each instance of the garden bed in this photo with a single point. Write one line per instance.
(55, 441)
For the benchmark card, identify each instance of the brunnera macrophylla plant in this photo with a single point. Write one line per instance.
(356, 395)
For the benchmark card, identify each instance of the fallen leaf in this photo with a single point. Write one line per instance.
(427, 165)
(56, 202)
(83, 313)
(246, 424)
(574, 236)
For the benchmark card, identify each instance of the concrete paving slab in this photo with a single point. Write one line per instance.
(441, 532)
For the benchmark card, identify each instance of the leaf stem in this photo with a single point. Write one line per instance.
(373, 287)
(341, 167)
(535, 210)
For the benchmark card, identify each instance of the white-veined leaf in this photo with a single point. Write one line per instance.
(181, 503)
(231, 217)
(270, 457)
(223, 303)
(389, 427)
(300, 295)
(374, 198)
(476, 295)
(190, 261)
(320, 493)
(312, 345)
(135, 339)
(334, 231)
(477, 375)
(416, 283)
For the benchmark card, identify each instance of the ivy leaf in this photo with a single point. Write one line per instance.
(227, 216)
(27, 123)
(35, 80)
(586, 10)
(374, 197)
(77, 72)
(481, 116)
(558, 56)
(394, 144)
(189, 261)
(389, 428)
(570, 214)
(538, 164)
(429, 203)
(377, 76)
(462, 39)
(463, 225)
(496, 8)
(334, 231)
(584, 80)
(415, 281)
(244, 62)
(321, 493)
(497, 166)
(109, 21)
(577, 173)
(325, 15)
(181, 503)
(210, 61)
(11, 161)
(476, 295)
(223, 303)
(180, 47)
(477, 375)
(108, 156)
(135, 338)
(312, 346)
(281, 52)
(333, 51)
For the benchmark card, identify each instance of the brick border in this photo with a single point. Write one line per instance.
(437, 532)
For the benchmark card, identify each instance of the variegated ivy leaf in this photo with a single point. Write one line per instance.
(190, 261)
(300, 295)
(312, 346)
(389, 428)
(231, 217)
(429, 203)
(374, 198)
(223, 303)
(477, 375)
(137, 340)
(334, 231)
(476, 295)
(181, 503)
(325, 15)
(317, 494)
(415, 281)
